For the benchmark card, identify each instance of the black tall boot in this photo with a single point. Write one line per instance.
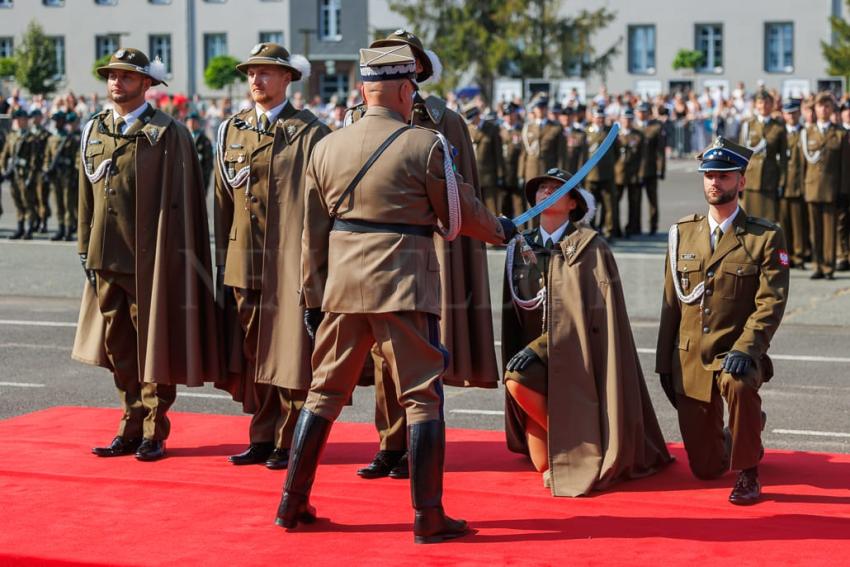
(42, 227)
(59, 234)
(308, 441)
(426, 444)
(18, 233)
(31, 227)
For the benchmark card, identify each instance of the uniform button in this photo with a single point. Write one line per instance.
(253, 217)
(685, 269)
(113, 171)
(707, 311)
(110, 209)
(254, 179)
(740, 271)
(708, 292)
(113, 192)
(705, 329)
(254, 199)
(710, 274)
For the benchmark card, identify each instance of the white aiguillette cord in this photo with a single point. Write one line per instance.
(673, 251)
(239, 179)
(527, 304)
(450, 233)
(97, 174)
(804, 145)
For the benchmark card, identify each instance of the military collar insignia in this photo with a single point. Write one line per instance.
(153, 134)
(570, 249)
(290, 130)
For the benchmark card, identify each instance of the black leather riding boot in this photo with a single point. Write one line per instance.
(308, 441)
(426, 444)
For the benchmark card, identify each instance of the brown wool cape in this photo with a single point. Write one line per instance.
(177, 337)
(602, 426)
(283, 347)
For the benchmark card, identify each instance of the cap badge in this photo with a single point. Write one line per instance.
(120, 54)
(718, 143)
(257, 48)
(399, 32)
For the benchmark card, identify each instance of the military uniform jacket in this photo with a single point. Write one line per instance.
(746, 289)
(654, 162)
(149, 201)
(627, 167)
(16, 157)
(204, 147)
(576, 147)
(62, 153)
(794, 174)
(604, 170)
(768, 164)
(39, 146)
(826, 164)
(543, 147)
(258, 241)
(488, 153)
(380, 272)
(511, 149)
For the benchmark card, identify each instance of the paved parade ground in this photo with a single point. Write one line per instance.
(806, 402)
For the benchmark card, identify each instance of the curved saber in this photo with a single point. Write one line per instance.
(573, 181)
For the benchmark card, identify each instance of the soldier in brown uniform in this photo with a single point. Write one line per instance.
(792, 207)
(725, 290)
(60, 159)
(511, 133)
(149, 313)
(766, 137)
(576, 141)
(600, 180)
(843, 208)
(15, 160)
(653, 166)
(370, 276)
(40, 135)
(826, 182)
(487, 144)
(543, 143)
(203, 146)
(259, 211)
(627, 170)
(466, 322)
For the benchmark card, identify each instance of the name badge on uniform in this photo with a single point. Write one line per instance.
(688, 256)
(686, 283)
(94, 142)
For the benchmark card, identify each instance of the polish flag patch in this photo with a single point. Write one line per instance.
(783, 258)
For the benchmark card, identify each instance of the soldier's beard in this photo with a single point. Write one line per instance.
(723, 198)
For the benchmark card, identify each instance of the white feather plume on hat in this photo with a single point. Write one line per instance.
(436, 65)
(302, 64)
(591, 205)
(157, 70)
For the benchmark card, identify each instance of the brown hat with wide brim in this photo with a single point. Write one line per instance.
(561, 176)
(270, 54)
(400, 37)
(129, 59)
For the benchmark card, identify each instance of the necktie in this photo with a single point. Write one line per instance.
(119, 125)
(264, 122)
(718, 234)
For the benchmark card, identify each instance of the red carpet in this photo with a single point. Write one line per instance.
(61, 505)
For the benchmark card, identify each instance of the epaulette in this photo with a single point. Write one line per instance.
(762, 222)
(436, 108)
(354, 113)
(690, 218)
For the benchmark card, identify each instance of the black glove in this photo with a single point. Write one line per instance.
(669, 390)
(508, 227)
(312, 319)
(89, 273)
(521, 360)
(737, 363)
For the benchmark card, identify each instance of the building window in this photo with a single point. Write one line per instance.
(53, 3)
(6, 3)
(709, 42)
(642, 50)
(330, 20)
(215, 1)
(106, 45)
(106, 2)
(779, 47)
(59, 53)
(336, 84)
(271, 37)
(160, 46)
(161, 2)
(214, 44)
(7, 47)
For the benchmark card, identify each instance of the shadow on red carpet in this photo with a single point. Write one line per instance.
(60, 505)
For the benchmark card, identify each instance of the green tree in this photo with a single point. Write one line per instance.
(837, 53)
(687, 59)
(518, 38)
(221, 73)
(100, 62)
(7, 67)
(35, 61)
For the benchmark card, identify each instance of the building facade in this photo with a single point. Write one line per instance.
(186, 34)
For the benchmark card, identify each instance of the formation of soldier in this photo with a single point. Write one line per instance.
(357, 256)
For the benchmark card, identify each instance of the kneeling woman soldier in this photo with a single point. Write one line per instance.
(577, 403)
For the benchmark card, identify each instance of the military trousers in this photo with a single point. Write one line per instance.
(409, 343)
(42, 197)
(145, 405)
(65, 193)
(513, 202)
(23, 196)
(390, 417)
(277, 408)
(701, 425)
(843, 233)
(605, 193)
(634, 196)
(822, 234)
(493, 197)
(794, 221)
(763, 204)
(650, 185)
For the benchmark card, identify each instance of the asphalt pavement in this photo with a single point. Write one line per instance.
(806, 402)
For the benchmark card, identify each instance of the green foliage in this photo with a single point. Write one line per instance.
(687, 59)
(518, 38)
(221, 72)
(837, 54)
(35, 61)
(101, 62)
(7, 67)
